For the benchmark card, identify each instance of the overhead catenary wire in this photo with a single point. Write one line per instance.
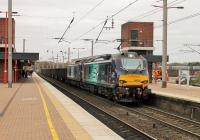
(154, 11)
(80, 19)
(121, 10)
(181, 19)
(42, 16)
(185, 18)
(56, 17)
(140, 16)
(194, 50)
(90, 11)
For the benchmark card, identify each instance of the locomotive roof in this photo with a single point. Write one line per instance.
(92, 58)
(106, 57)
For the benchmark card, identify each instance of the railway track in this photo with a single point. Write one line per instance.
(183, 124)
(157, 123)
(123, 129)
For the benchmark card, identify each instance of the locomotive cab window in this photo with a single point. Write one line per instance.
(131, 66)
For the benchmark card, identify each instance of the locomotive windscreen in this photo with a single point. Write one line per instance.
(131, 66)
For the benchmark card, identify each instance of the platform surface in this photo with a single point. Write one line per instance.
(190, 93)
(35, 110)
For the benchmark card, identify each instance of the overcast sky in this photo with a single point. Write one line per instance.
(42, 20)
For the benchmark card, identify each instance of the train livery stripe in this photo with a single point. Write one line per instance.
(48, 117)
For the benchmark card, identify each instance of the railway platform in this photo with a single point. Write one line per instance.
(35, 110)
(184, 92)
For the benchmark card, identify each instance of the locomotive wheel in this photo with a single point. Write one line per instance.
(110, 96)
(95, 90)
(138, 99)
(114, 98)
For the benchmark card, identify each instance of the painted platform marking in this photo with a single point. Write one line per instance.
(48, 117)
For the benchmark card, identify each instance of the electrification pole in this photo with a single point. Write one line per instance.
(24, 45)
(68, 55)
(78, 53)
(78, 50)
(5, 49)
(92, 47)
(164, 49)
(9, 43)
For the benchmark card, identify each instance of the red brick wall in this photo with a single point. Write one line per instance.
(1, 71)
(145, 34)
(2, 30)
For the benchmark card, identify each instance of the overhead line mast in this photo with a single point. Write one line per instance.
(101, 30)
(66, 30)
(121, 10)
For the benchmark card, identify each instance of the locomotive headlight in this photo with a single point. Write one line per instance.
(127, 91)
(130, 55)
(122, 82)
(145, 81)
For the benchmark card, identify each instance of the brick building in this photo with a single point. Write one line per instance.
(4, 31)
(19, 59)
(4, 42)
(137, 36)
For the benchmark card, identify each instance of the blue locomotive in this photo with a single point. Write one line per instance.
(122, 77)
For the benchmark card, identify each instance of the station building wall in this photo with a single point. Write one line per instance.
(137, 34)
(4, 28)
(1, 70)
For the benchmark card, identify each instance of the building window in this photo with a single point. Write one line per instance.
(134, 38)
(1, 40)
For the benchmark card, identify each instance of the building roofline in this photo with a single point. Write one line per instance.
(132, 22)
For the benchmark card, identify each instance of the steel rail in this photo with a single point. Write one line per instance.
(142, 113)
(166, 123)
(138, 133)
(174, 115)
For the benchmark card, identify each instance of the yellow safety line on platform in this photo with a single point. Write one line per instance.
(77, 130)
(50, 124)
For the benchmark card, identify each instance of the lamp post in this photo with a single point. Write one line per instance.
(9, 43)
(62, 55)
(78, 50)
(24, 45)
(92, 49)
(164, 49)
(5, 49)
